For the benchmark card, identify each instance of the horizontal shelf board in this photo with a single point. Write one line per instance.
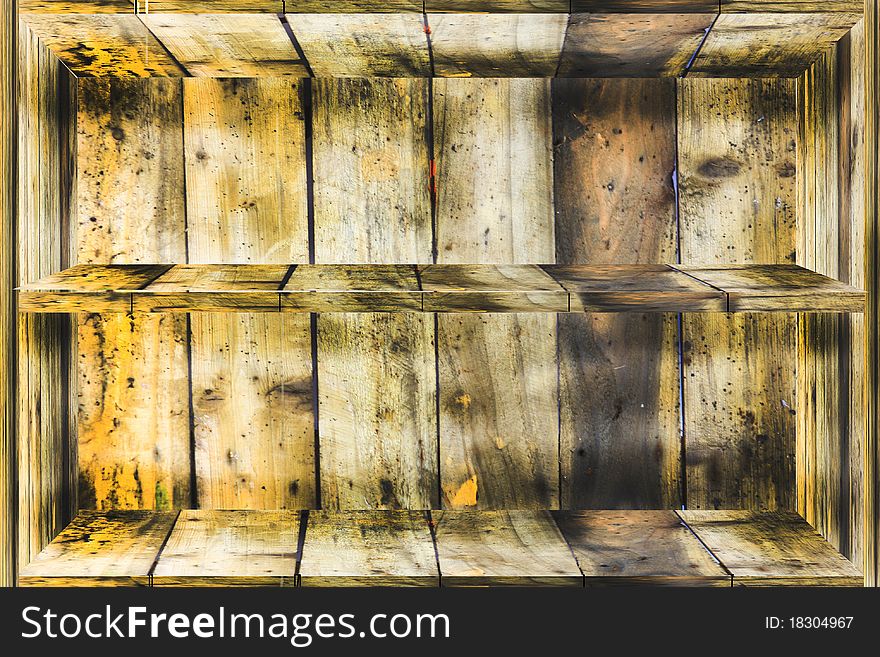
(431, 548)
(625, 39)
(438, 288)
(771, 549)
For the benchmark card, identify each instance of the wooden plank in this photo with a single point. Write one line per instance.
(353, 288)
(503, 548)
(496, 45)
(771, 549)
(252, 373)
(491, 288)
(376, 375)
(132, 371)
(797, 6)
(230, 548)
(87, 288)
(737, 150)
(225, 46)
(645, 6)
(498, 435)
(768, 45)
(498, 6)
(75, 7)
(624, 548)
(102, 45)
(352, 6)
(340, 45)
(213, 6)
(786, 288)
(642, 288)
(115, 548)
(369, 548)
(614, 154)
(631, 45)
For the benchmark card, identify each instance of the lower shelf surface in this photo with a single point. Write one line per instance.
(439, 548)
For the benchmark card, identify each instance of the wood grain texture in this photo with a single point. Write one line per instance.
(503, 548)
(491, 288)
(498, 6)
(614, 153)
(132, 374)
(620, 548)
(212, 6)
(499, 434)
(768, 45)
(353, 288)
(352, 6)
(771, 549)
(645, 6)
(87, 288)
(797, 6)
(75, 7)
(104, 46)
(253, 408)
(872, 283)
(379, 45)
(788, 288)
(496, 45)
(617, 45)
(378, 426)
(230, 548)
(102, 549)
(369, 548)
(737, 155)
(42, 453)
(225, 46)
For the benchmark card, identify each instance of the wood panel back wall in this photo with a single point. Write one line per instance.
(344, 411)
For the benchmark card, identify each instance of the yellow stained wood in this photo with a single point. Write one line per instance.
(771, 549)
(631, 45)
(352, 6)
(379, 45)
(353, 288)
(613, 163)
(230, 548)
(503, 548)
(102, 549)
(735, 6)
(225, 46)
(498, 433)
(369, 548)
(102, 45)
(645, 6)
(491, 288)
(496, 45)
(769, 45)
(524, 6)
(737, 159)
(211, 6)
(251, 374)
(655, 548)
(76, 7)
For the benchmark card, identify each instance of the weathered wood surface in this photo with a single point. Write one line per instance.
(614, 153)
(771, 549)
(230, 548)
(376, 374)
(491, 288)
(213, 6)
(75, 7)
(503, 548)
(115, 548)
(631, 45)
(499, 45)
(641, 288)
(654, 548)
(42, 454)
(768, 45)
(796, 6)
(103, 46)
(787, 288)
(498, 435)
(380, 45)
(352, 6)
(499, 6)
(253, 407)
(369, 548)
(646, 6)
(353, 288)
(224, 46)
(88, 288)
(737, 154)
(133, 392)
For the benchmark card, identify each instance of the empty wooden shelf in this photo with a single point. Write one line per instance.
(439, 548)
(438, 288)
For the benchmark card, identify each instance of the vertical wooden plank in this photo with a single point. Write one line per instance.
(737, 159)
(251, 373)
(376, 376)
(498, 393)
(44, 451)
(133, 428)
(614, 146)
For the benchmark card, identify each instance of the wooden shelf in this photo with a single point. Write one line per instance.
(438, 288)
(432, 548)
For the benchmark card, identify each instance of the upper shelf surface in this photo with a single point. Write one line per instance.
(438, 288)
(514, 39)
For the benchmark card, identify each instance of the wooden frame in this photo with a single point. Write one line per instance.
(54, 517)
